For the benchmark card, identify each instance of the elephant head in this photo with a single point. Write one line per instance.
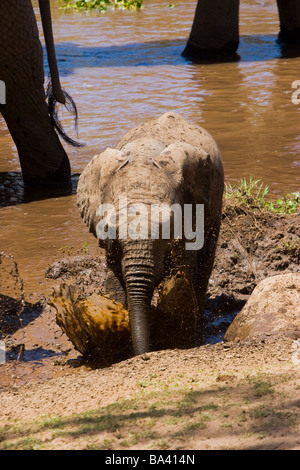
(145, 172)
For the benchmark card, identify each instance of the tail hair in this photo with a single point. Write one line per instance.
(53, 114)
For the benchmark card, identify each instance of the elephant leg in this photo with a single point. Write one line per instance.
(200, 277)
(215, 30)
(173, 320)
(114, 285)
(115, 288)
(289, 15)
(42, 156)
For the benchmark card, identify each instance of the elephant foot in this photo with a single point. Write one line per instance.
(289, 36)
(226, 53)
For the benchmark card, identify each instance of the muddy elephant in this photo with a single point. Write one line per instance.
(33, 124)
(165, 164)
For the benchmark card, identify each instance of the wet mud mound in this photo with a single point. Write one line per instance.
(97, 326)
(85, 272)
(253, 245)
(99, 329)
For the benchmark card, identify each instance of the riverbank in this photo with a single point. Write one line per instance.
(237, 395)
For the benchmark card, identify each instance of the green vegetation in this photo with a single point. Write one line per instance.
(86, 247)
(101, 5)
(252, 194)
(263, 411)
(263, 388)
(288, 246)
(128, 421)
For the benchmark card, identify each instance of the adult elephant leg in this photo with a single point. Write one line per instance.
(215, 30)
(42, 157)
(289, 15)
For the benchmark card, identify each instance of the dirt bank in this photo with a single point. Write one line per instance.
(44, 375)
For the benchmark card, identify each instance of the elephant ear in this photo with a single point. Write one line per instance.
(191, 168)
(92, 182)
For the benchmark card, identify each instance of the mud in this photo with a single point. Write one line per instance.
(253, 245)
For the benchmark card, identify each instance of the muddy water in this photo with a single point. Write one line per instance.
(123, 68)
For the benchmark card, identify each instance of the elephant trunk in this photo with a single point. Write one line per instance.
(138, 267)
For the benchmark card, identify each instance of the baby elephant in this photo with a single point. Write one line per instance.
(155, 205)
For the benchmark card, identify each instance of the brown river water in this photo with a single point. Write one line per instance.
(125, 67)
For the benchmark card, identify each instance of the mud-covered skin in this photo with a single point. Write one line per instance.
(42, 157)
(168, 161)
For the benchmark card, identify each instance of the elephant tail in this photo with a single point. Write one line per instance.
(55, 94)
(53, 113)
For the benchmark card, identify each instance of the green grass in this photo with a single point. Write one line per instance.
(291, 247)
(262, 389)
(162, 416)
(252, 194)
(101, 5)
(127, 422)
(263, 411)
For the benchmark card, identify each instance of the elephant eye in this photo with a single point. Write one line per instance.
(122, 166)
(155, 163)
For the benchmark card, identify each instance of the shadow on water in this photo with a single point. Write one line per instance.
(17, 353)
(16, 313)
(219, 313)
(153, 53)
(13, 192)
(162, 53)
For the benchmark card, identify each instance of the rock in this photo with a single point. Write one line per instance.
(273, 308)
